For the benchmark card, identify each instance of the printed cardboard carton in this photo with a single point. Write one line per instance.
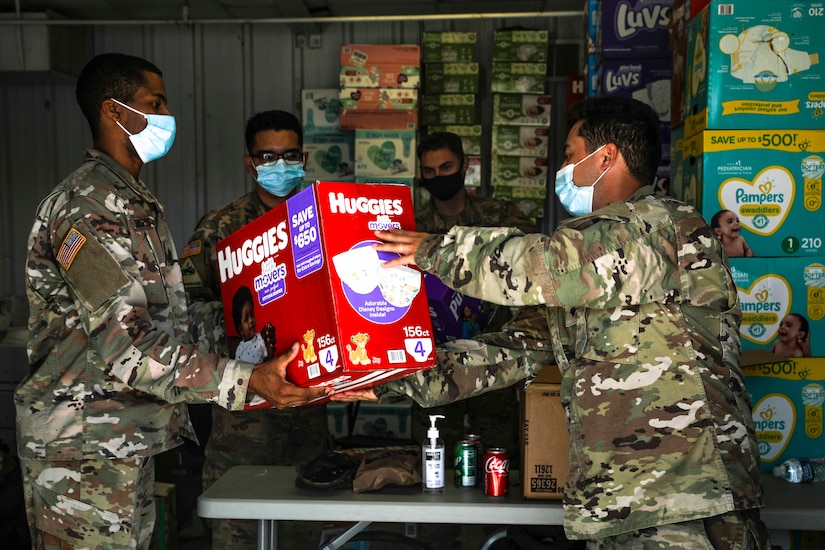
(442, 109)
(771, 180)
(526, 46)
(787, 397)
(470, 135)
(312, 273)
(523, 141)
(378, 98)
(320, 110)
(387, 75)
(633, 29)
(383, 119)
(385, 153)
(453, 314)
(522, 109)
(519, 171)
(451, 78)
(366, 55)
(449, 47)
(544, 437)
(330, 157)
(783, 304)
(647, 80)
(756, 65)
(519, 78)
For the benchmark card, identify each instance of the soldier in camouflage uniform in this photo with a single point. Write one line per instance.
(112, 359)
(266, 436)
(644, 319)
(494, 415)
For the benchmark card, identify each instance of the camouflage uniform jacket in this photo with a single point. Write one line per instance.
(112, 362)
(479, 212)
(644, 324)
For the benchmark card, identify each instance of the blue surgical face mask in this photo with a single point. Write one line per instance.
(279, 178)
(156, 139)
(576, 200)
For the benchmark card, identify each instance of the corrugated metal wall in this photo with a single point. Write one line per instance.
(216, 77)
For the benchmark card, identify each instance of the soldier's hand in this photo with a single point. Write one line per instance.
(268, 380)
(401, 242)
(268, 334)
(354, 395)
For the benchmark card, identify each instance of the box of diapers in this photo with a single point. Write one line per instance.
(309, 269)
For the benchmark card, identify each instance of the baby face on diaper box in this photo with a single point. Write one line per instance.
(760, 189)
(783, 304)
(315, 277)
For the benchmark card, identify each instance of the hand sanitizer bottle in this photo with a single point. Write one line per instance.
(432, 459)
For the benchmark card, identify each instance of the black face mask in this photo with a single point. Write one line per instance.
(444, 187)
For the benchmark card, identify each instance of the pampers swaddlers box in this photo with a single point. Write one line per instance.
(771, 179)
(755, 64)
(313, 274)
(771, 289)
(787, 396)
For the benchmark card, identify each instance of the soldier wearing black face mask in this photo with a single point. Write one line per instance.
(443, 166)
(493, 415)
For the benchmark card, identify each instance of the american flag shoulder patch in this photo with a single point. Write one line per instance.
(70, 247)
(191, 249)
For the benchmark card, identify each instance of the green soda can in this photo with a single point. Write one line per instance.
(466, 458)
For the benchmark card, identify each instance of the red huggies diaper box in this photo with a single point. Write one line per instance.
(313, 274)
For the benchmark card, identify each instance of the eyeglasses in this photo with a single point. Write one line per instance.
(268, 157)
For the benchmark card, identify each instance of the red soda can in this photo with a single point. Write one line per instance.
(496, 472)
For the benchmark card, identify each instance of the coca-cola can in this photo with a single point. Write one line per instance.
(496, 472)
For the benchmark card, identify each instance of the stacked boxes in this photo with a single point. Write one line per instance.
(330, 151)
(521, 119)
(379, 100)
(752, 149)
(629, 57)
(451, 86)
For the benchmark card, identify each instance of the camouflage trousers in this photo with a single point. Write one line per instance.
(264, 437)
(95, 504)
(741, 530)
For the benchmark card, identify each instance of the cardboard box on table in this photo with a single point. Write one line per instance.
(544, 437)
(315, 277)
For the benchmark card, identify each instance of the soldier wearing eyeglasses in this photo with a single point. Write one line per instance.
(274, 158)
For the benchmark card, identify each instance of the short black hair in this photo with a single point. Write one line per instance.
(803, 322)
(441, 140)
(632, 125)
(714, 221)
(110, 75)
(241, 297)
(272, 120)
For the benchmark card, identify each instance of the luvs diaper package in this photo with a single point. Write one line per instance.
(756, 64)
(314, 276)
(770, 180)
(783, 304)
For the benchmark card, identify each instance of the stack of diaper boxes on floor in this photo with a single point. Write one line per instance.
(379, 101)
(521, 119)
(450, 100)
(628, 56)
(330, 150)
(752, 152)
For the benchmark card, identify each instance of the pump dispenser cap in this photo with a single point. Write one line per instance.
(432, 432)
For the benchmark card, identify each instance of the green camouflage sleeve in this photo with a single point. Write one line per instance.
(488, 362)
(135, 311)
(586, 262)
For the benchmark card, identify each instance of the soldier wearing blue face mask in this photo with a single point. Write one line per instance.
(112, 360)
(274, 158)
